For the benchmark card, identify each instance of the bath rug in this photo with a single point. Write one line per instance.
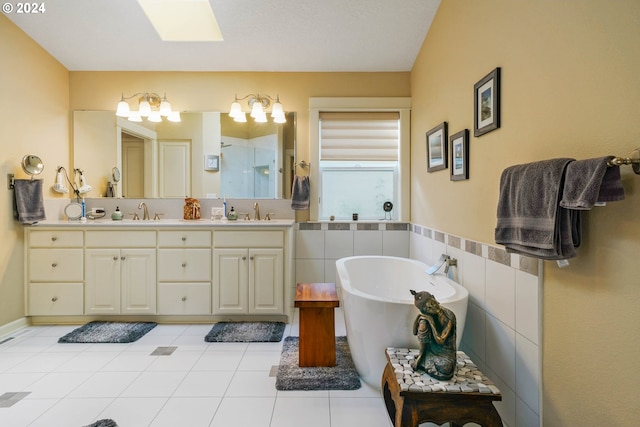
(108, 332)
(246, 332)
(290, 376)
(103, 423)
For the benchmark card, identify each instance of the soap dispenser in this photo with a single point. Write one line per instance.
(117, 214)
(232, 216)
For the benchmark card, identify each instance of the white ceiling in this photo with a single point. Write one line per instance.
(259, 35)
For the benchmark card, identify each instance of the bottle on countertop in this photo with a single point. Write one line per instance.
(117, 214)
(232, 216)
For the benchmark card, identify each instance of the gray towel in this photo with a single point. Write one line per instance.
(590, 181)
(300, 193)
(28, 205)
(530, 220)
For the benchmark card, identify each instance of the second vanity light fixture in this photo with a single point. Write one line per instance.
(150, 105)
(258, 104)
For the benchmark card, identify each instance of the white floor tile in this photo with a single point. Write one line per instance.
(192, 412)
(218, 361)
(88, 361)
(244, 412)
(18, 381)
(204, 384)
(154, 384)
(104, 384)
(132, 411)
(301, 411)
(130, 361)
(178, 361)
(72, 412)
(57, 385)
(368, 411)
(42, 362)
(25, 412)
(259, 360)
(252, 384)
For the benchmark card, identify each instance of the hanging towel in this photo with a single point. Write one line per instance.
(530, 219)
(300, 193)
(590, 181)
(28, 205)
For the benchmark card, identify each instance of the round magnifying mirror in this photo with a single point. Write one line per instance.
(116, 174)
(32, 165)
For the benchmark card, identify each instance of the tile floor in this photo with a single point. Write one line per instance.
(200, 384)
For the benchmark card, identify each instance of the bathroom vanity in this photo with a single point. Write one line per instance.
(176, 270)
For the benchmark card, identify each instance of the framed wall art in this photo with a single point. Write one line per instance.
(437, 148)
(486, 95)
(459, 147)
(211, 162)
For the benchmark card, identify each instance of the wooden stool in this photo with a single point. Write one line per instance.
(317, 325)
(468, 397)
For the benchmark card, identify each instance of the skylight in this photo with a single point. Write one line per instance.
(182, 20)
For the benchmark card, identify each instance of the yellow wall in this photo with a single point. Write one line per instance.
(34, 107)
(570, 87)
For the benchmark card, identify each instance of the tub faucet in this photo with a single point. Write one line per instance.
(143, 205)
(445, 260)
(257, 209)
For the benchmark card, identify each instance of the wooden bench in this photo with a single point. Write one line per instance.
(317, 324)
(412, 399)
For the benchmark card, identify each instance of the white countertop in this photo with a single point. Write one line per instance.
(104, 222)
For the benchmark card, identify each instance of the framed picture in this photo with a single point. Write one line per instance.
(437, 148)
(459, 143)
(486, 94)
(211, 162)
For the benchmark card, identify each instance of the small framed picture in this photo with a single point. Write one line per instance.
(459, 143)
(486, 94)
(211, 162)
(437, 148)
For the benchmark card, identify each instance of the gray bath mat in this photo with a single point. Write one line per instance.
(108, 332)
(290, 376)
(246, 332)
(103, 423)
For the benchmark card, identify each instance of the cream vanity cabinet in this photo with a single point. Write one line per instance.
(248, 272)
(184, 272)
(120, 272)
(54, 272)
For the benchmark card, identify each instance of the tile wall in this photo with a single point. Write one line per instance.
(502, 331)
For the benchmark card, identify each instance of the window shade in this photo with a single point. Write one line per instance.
(359, 136)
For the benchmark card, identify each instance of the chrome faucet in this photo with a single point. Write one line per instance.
(145, 214)
(257, 209)
(445, 260)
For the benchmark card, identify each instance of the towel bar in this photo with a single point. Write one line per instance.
(634, 161)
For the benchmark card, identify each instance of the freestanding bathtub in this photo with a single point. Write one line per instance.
(379, 310)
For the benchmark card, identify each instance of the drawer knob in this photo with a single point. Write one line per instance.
(54, 265)
(115, 258)
(184, 264)
(251, 258)
(184, 299)
(54, 238)
(184, 238)
(244, 257)
(123, 258)
(54, 299)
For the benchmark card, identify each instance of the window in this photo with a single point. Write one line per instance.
(360, 149)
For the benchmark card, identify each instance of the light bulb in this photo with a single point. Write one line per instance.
(155, 117)
(145, 108)
(135, 116)
(165, 107)
(174, 116)
(241, 118)
(235, 110)
(123, 109)
(256, 108)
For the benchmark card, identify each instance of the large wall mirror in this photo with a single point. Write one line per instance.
(206, 155)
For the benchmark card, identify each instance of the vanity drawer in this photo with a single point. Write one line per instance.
(187, 238)
(55, 239)
(184, 298)
(184, 265)
(56, 265)
(55, 299)
(120, 239)
(248, 239)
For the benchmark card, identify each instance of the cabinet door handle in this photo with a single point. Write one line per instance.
(184, 264)
(184, 299)
(244, 258)
(115, 258)
(54, 265)
(251, 258)
(184, 238)
(123, 258)
(54, 238)
(54, 299)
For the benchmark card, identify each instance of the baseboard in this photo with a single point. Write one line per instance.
(10, 327)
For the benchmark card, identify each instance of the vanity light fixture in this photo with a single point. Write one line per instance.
(258, 105)
(150, 105)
